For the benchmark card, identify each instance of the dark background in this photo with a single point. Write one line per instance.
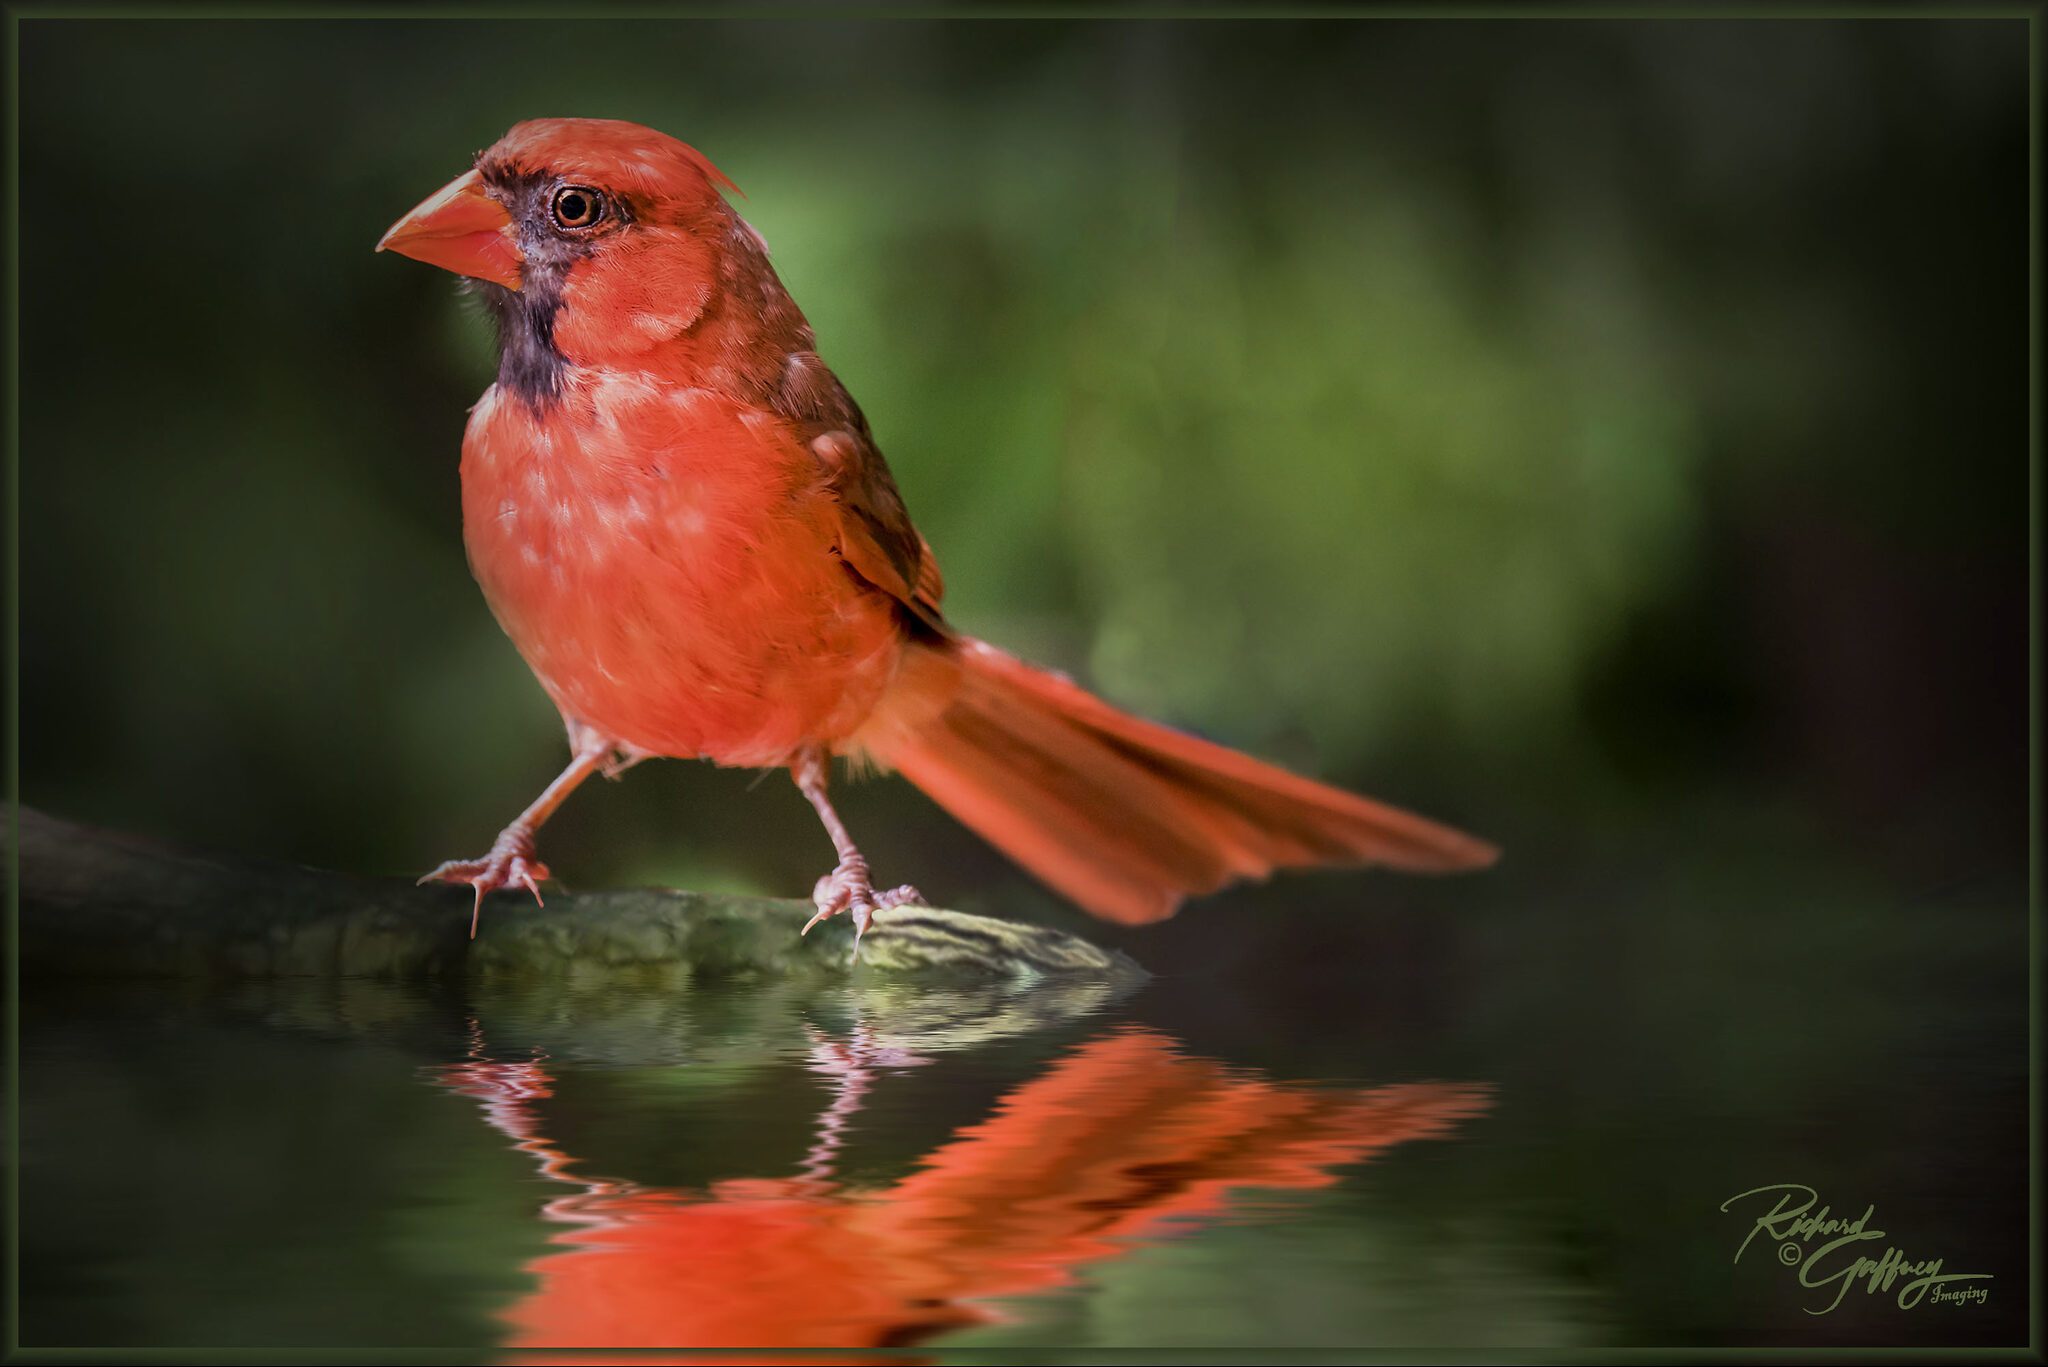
(1609, 436)
(1535, 423)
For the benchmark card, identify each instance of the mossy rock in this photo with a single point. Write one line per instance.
(97, 903)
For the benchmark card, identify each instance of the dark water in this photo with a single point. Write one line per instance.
(1508, 1127)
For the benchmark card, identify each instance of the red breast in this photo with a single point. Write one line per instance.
(642, 500)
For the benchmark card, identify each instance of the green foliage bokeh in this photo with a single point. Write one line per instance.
(1400, 401)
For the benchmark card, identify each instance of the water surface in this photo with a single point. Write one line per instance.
(1504, 1129)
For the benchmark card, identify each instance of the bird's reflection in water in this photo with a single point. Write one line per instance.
(1114, 1142)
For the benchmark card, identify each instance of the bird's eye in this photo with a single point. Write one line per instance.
(577, 206)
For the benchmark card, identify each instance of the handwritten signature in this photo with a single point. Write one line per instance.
(1795, 1225)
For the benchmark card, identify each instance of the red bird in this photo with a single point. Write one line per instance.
(681, 519)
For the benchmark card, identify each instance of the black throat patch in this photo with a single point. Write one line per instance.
(530, 366)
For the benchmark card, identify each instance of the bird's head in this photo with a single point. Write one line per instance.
(593, 239)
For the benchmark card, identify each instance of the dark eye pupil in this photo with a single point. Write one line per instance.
(575, 208)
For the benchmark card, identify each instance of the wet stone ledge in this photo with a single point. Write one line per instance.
(102, 904)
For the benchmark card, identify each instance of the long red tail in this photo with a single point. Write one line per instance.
(1124, 816)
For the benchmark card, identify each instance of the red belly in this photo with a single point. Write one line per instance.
(664, 561)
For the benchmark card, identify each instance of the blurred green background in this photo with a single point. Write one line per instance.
(1612, 437)
(1528, 422)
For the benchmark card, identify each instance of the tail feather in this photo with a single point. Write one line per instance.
(1122, 815)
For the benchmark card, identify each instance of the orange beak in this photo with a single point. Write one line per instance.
(460, 228)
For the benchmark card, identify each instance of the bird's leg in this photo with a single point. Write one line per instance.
(847, 888)
(511, 862)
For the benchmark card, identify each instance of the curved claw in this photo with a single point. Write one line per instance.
(510, 864)
(848, 889)
(863, 918)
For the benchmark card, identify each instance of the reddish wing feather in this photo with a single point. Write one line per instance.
(876, 538)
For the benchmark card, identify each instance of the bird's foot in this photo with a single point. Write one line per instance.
(510, 864)
(849, 889)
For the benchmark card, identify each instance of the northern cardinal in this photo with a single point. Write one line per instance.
(681, 519)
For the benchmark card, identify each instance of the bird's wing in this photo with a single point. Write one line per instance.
(876, 538)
